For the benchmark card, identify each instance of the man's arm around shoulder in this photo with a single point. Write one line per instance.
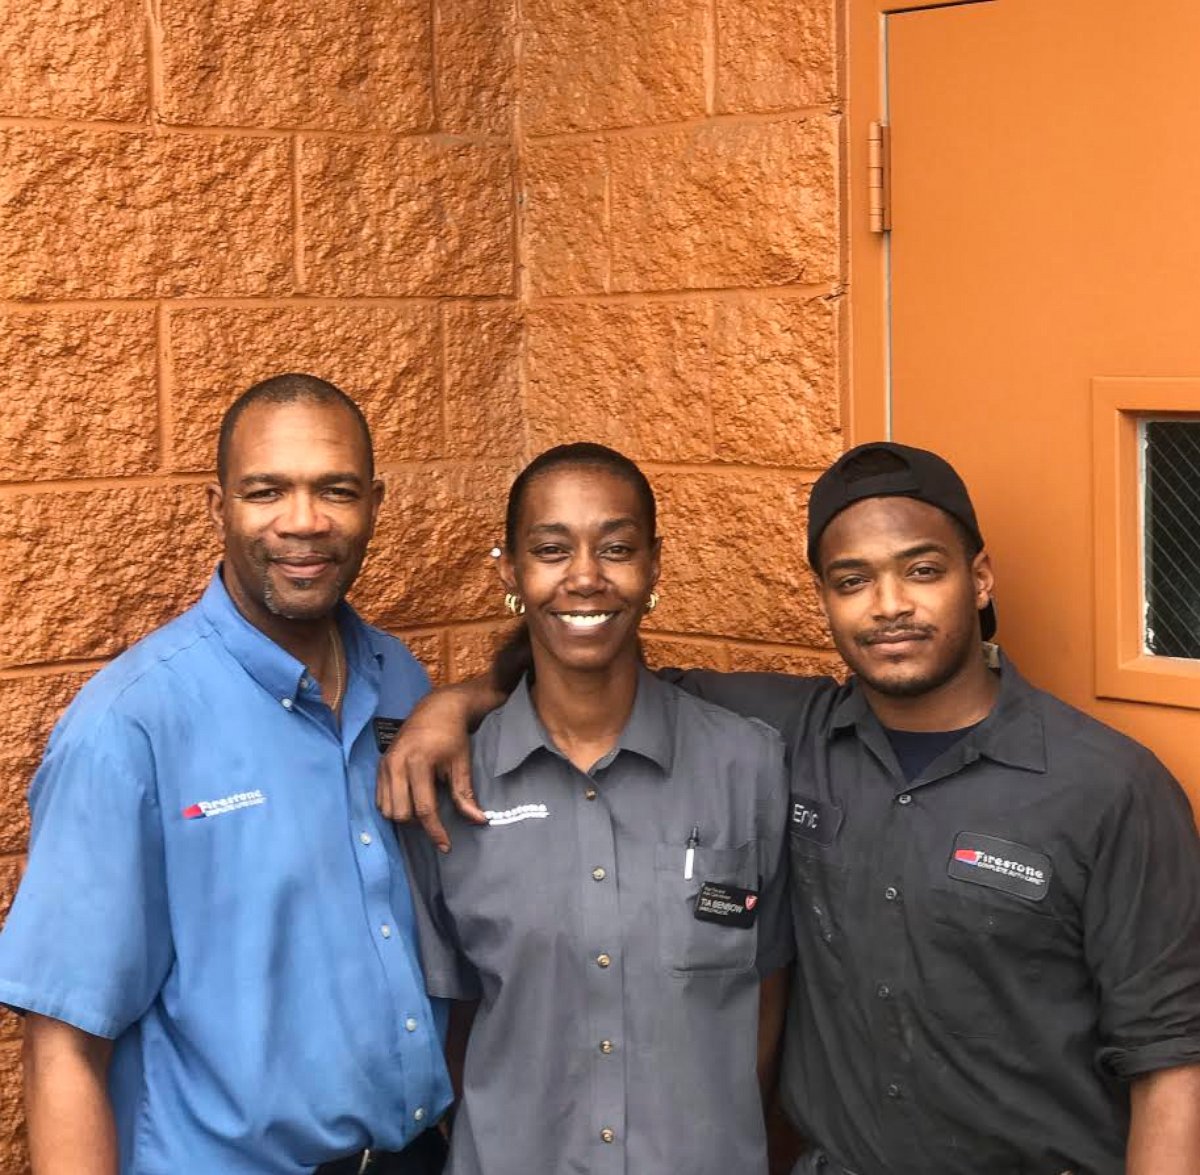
(70, 1119)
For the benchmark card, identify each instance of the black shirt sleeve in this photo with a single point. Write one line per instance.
(778, 699)
(1142, 927)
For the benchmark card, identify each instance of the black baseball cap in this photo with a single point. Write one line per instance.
(904, 472)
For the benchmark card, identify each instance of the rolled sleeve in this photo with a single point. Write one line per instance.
(448, 973)
(1142, 927)
(88, 939)
(776, 942)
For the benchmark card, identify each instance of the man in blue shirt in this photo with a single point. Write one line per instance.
(213, 941)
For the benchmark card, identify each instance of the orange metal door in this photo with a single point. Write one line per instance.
(1045, 199)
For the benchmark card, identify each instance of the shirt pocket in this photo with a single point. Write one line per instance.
(990, 956)
(818, 894)
(687, 944)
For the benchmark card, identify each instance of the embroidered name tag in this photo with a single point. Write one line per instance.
(386, 730)
(814, 820)
(1001, 864)
(517, 814)
(726, 905)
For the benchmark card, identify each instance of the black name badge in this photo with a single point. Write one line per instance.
(386, 730)
(814, 820)
(726, 905)
(1001, 864)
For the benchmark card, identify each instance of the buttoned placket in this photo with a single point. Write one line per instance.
(375, 870)
(602, 940)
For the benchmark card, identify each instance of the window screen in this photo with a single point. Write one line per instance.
(1171, 454)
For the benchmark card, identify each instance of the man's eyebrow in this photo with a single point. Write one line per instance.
(561, 528)
(278, 479)
(851, 564)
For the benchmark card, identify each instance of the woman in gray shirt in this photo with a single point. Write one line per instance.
(620, 922)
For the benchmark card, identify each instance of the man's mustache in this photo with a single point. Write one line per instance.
(880, 636)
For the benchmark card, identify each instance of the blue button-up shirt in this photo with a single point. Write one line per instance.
(211, 885)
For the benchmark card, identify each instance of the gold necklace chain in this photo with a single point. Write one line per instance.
(337, 668)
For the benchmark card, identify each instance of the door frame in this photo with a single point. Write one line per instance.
(867, 349)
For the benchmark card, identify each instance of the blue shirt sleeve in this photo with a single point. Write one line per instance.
(88, 939)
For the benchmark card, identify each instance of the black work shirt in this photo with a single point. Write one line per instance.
(988, 953)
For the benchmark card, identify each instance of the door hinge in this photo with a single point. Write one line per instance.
(879, 179)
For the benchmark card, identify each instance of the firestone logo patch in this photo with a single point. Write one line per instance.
(1001, 865)
(226, 804)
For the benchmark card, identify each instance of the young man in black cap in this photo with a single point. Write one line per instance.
(996, 898)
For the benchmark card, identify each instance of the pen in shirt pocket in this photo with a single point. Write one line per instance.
(689, 856)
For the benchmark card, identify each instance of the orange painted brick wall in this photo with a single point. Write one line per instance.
(498, 223)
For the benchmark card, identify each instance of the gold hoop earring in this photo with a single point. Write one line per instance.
(513, 603)
(651, 603)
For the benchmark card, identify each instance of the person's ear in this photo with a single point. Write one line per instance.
(655, 561)
(376, 492)
(214, 501)
(504, 567)
(985, 580)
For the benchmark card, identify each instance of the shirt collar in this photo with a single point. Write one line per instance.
(649, 731)
(1013, 733)
(272, 666)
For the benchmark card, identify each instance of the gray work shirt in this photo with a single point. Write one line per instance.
(617, 1033)
(988, 953)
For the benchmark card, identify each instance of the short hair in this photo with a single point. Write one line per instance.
(580, 455)
(291, 388)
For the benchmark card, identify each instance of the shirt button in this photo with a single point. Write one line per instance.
(904, 798)
(365, 837)
(606, 1047)
(385, 930)
(891, 893)
(608, 1135)
(893, 1090)
(410, 1025)
(306, 683)
(589, 793)
(883, 991)
(286, 703)
(419, 1114)
(603, 961)
(598, 873)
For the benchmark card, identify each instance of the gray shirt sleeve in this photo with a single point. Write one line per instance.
(778, 699)
(448, 974)
(1142, 928)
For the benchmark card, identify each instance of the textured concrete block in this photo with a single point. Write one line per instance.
(32, 705)
(472, 649)
(407, 217)
(607, 63)
(775, 54)
(566, 217)
(781, 659)
(429, 564)
(775, 394)
(476, 65)
(13, 1158)
(75, 59)
(338, 65)
(430, 649)
(485, 415)
(681, 653)
(726, 205)
(631, 376)
(733, 557)
(386, 358)
(79, 394)
(89, 572)
(117, 214)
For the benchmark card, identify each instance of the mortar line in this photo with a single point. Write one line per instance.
(802, 293)
(443, 378)
(434, 64)
(80, 485)
(520, 228)
(607, 219)
(700, 122)
(299, 275)
(298, 302)
(154, 60)
(711, 45)
(165, 380)
(35, 669)
(726, 468)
